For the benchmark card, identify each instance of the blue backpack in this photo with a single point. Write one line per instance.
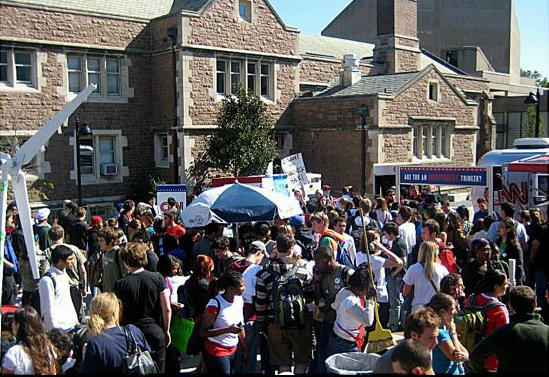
(343, 256)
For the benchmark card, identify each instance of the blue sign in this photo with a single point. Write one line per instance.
(473, 176)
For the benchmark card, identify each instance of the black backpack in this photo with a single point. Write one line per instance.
(288, 300)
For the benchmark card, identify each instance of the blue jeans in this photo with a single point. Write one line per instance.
(340, 345)
(395, 301)
(252, 341)
(218, 364)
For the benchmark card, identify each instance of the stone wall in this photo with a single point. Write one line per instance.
(329, 112)
(162, 91)
(72, 28)
(221, 26)
(468, 84)
(413, 102)
(322, 71)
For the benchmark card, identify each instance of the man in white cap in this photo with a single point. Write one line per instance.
(41, 228)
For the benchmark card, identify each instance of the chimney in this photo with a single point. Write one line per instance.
(351, 72)
(397, 45)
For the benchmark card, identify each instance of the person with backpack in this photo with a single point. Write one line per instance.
(521, 347)
(340, 224)
(330, 276)
(222, 325)
(303, 236)
(223, 254)
(354, 224)
(449, 355)
(424, 276)
(249, 267)
(332, 239)
(41, 227)
(354, 308)
(146, 301)
(76, 273)
(113, 270)
(492, 313)
(107, 346)
(56, 306)
(283, 292)
(430, 232)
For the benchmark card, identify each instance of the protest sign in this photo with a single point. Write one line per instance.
(294, 167)
(178, 192)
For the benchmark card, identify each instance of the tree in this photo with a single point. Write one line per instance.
(530, 123)
(541, 81)
(243, 143)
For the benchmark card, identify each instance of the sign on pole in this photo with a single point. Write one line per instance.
(295, 168)
(178, 192)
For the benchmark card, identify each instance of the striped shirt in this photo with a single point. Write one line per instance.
(264, 286)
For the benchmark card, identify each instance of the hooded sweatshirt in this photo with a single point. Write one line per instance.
(352, 314)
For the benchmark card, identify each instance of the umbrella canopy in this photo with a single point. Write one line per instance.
(238, 203)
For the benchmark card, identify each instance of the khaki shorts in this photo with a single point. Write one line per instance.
(283, 342)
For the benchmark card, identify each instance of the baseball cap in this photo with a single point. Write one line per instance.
(297, 221)
(95, 220)
(257, 245)
(42, 214)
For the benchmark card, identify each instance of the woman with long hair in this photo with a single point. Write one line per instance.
(456, 237)
(492, 287)
(382, 211)
(222, 324)
(452, 284)
(509, 247)
(424, 276)
(354, 306)
(449, 353)
(34, 353)
(105, 351)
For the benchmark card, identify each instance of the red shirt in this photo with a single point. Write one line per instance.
(447, 258)
(177, 231)
(495, 317)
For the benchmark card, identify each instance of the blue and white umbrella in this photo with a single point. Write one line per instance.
(238, 203)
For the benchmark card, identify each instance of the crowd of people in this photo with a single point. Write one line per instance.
(281, 296)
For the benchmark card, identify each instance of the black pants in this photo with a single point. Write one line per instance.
(9, 290)
(76, 297)
(154, 335)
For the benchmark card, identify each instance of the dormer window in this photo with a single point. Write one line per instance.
(245, 10)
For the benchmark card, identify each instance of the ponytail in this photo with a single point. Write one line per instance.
(95, 324)
(229, 278)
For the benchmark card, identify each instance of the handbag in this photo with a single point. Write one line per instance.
(136, 361)
(195, 344)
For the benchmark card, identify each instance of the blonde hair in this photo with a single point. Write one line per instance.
(428, 256)
(103, 308)
(285, 229)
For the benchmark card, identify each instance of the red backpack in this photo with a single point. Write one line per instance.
(448, 259)
(240, 265)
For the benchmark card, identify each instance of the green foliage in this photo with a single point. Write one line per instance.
(243, 144)
(541, 81)
(145, 187)
(530, 123)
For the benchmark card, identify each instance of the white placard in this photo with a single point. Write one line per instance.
(295, 168)
(178, 192)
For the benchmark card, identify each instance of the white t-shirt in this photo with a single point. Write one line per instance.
(407, 232)
(423, 289)
(231, 313)
(249, 276)
(378, 270)
(18, 360)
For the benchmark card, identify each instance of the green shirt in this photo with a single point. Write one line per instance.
(73, 273)
(113, 269)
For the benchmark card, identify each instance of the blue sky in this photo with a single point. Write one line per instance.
(311, 16)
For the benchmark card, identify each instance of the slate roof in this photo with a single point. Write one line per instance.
(369, 85)
(144, 9)
(332, 48)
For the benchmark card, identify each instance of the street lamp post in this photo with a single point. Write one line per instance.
(172, 34)
(81, 130)
(363, 112)
(535, 99)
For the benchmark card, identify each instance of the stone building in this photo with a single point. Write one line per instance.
(51, 49)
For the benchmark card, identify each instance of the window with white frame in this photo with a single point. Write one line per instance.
(245, 10)
(162, 149)
(18, 68)
(253, 75)
(99, 158)
(104, 71)
(430, 141)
